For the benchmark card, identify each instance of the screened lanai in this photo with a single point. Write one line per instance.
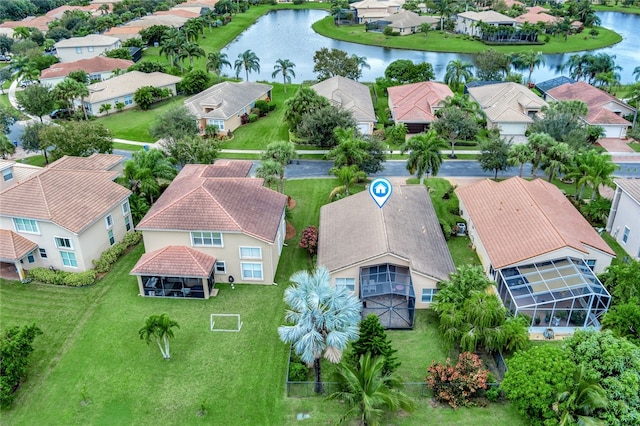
(557, 293)
(387, 291)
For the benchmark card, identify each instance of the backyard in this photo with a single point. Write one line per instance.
(91, 351)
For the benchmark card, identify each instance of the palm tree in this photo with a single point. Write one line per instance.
(444, 9)
(558, 159)
(23, 33)
(347, 175)
(636, 72)
(519, 155)
(217, 60)
(270, 171)
(190, 50)
(368, 393)
(362, 64)
(160, 329)
(247, 60)
(607, 80)
(529, 60)
(169, 47)
(68, 90)
(458, 72)
(144, 172)
(324, 319)
(424, 154)
(579, 402)
(601, 173)
(282, 152)
(284, 67)
(350, 150)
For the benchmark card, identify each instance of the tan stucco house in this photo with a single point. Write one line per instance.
(624, 217)
(213, 224)
(391, 257)
(70, 214)
(543, 255)
(469, 22)
(224, 103)
(416, 104)
(99, 68)
(351, 96)
(407, 22)
(374, 10)
(90, 46)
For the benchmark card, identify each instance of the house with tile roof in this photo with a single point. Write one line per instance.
(122, 88)
(537, 14)
(351, 96)
(541, 251)
(416, 104)
(374, 10)
(224, 103)
(72, 215)
(13, 172)
(624, 218)
(469, 22)
(99, 68)
(407, 22)
(509, 107)
(212, 224)
(605, 110)
(90, 46)
(391, 257)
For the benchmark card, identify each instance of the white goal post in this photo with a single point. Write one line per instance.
(213, 322)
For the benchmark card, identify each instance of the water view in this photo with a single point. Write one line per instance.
(287, 34)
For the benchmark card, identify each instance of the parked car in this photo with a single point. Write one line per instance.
(25, 83)
(5, 58)
(60, 113)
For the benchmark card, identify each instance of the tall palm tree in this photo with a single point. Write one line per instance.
(144, 172)
(519, 155)
(636, 72)
(217, 60)
(324, 319)
(160, 329)
(424, 154)
(68, 90)
(559, 158)
(601, 173)
(444, 9)
(578, 403)
(368, 393)
(458, 72)
(347, 175)
(362, 64)
(191, 51)
(350, 150)
(284, 67)
(247, 60)
(270, 171)
(529, 60)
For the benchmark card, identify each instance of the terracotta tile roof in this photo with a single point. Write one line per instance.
(20, 172)
(533, 16)
(116, 31)
(227, 169)
(353, 230)
(175, 261)
(127, 84)
(72, 199)
(595, 99)
(178, 12)
(94, 162)
(506, 102)
(349, 95)
(417, 102)
(518, 220)
(13, 246)
(631, 187)
(196, 203)
(94, 65)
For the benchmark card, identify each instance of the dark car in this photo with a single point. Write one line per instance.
(61, 113)
(5, 58)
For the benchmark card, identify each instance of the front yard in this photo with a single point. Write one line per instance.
(91, 349)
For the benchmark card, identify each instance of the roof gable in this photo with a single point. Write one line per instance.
(13, 246)
(349, 95)
(506, 102)
(417, 102)
(223, 100)
(175, 261)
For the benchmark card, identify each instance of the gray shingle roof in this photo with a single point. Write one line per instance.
(127, 84)
(506, 102)
(354, 229)
(224, 100)
(349, 95)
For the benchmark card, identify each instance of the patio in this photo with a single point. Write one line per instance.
(387, 291)
(559, 293)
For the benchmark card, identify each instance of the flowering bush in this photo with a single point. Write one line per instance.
(457, 384)
(309, 240)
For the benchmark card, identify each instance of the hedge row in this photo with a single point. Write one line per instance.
(113, 253)
(71, 279)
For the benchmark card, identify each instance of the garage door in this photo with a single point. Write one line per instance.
(613, 131)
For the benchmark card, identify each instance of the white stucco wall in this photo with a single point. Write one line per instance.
(626, 215)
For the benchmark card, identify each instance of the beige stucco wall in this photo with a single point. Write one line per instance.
(94, 108)
(87, 246)
(627, 214)
(69, 54)
(229, 253)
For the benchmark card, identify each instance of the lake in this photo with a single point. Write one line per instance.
(287, 34)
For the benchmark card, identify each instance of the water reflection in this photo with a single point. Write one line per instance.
(287, 34)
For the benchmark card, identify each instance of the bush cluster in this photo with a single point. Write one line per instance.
(71, 279)
(113, 253)
(298, 370)
(457, 384)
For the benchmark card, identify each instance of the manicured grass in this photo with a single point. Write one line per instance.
(617, 248)
(35, 160)
(635, 146)
(4, 100)
(461, 253)
(615, 7)
(437, 41)
(127, 146)
(134, 124)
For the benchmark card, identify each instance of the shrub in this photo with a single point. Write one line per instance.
(263, 107)
(244, 118)
(298, 372)
(15, 348)
(253, 118)
(457, 384)
(493, 394)
(309, 240)
(111, 255)
(132, 238)
(72, 279)
(45, 275)
(80, 279)
(388, 31)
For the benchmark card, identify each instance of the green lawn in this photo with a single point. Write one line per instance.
(445, 42)
(127, 146)
(35, 160)
(635, 146)
(615, 7)
(618, 250)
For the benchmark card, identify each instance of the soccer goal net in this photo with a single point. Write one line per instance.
(225, 322)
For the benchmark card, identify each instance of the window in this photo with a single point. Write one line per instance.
(69, 259)
(26, 225)
(208, 239)
(108, 221)
(90, 48)
(43, 253)
(63, 243)
(349, 283)
(427, 295)
(591, 263)
(250, 253)
(78, 49)
(219, 123)
(31, 258)
(127, 223)
(128, 100)
(221, 267)
(125, 208)
(112, 240)
(251, 271)
(7, 174)
(625, 236)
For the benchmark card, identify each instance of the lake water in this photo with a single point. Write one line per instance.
(287, 34)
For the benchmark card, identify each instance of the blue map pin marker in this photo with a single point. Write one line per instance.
(380, 190)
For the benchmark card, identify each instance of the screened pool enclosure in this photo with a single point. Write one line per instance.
(387, 291)
(558, 293)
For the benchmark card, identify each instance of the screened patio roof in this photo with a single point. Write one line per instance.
(552, 281)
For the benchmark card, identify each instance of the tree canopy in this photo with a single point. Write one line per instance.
(330, 63)
(305, 101)
(77, 138)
